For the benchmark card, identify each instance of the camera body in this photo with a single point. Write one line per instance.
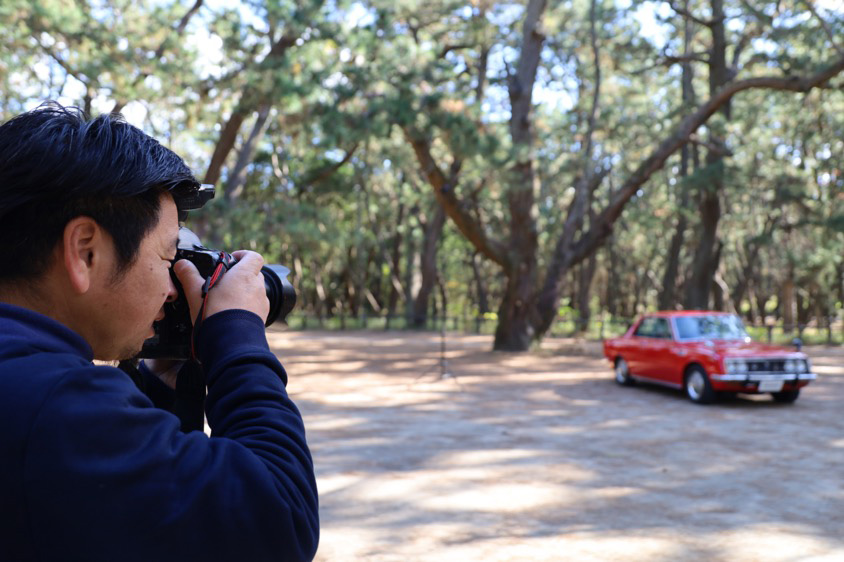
(172, 339)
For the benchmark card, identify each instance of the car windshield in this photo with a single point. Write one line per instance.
(715, 326)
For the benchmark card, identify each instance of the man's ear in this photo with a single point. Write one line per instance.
(83, 251)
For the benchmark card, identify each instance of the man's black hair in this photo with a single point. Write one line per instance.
(55, 165)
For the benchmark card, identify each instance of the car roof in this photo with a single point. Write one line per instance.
(672, 313)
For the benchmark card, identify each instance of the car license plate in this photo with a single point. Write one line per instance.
(770, 386)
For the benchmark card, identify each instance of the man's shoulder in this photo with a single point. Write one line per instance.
(25, 375)
(26, 332)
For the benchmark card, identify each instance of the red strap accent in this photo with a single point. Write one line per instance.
(206, 288)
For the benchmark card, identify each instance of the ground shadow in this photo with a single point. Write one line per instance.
(533, 449)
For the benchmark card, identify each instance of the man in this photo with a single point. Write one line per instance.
(91, 469)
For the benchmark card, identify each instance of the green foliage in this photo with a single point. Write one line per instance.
(334, 188)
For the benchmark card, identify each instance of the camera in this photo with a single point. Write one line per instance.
(172, 339)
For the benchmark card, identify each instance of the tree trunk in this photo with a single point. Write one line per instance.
(688, 156)
(612, 278)
(591, 176)
(432, 232)
(754, 246)
(322, 307)
(584, 292)
(514, 331)
(410, 272)
(667, 298)
(524, 311)
(762, 299)
(395, 266)
(803, 308)
(703, 268)
(706, 260)
(250, 99)
(237, 177)
(480, 287)
(787, 303)
(224, 145)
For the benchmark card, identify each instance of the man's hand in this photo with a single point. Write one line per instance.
(165, 369)
(241, 287)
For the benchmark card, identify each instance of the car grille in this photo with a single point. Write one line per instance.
(766, 366)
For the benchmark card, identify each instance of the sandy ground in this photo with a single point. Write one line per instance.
(541, 456)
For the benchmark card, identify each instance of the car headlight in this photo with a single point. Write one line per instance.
(790, 366)
(738, 366)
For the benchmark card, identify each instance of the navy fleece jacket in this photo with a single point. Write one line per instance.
(91, 470)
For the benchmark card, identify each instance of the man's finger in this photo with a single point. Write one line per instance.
(251, 260)
(188, 276)
(192, 283)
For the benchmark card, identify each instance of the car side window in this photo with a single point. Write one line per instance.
(651, 327)
(687, 327)
(661, 329)
(645, 328)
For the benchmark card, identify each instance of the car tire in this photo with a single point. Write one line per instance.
(697, 386)
(786, 396)
(622, 373)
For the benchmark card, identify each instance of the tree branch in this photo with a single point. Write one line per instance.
(483, 65)
(751, 32)
(825, 27)
(250, 98)
(602, 226)
(521, 85)
(178, 30)
(320, 175)
(183, 23)
(669, 60)
(237, 178)
(710, 146)
(449, 48)
(459, 211)
(688, 15)
(581, 206)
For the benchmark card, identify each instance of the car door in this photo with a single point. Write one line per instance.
(641, 357)
(676, 354)
(660, 351)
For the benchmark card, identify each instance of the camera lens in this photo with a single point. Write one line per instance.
(280, 292)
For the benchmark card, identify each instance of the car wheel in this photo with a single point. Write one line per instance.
(622, 373)
(786, 396)
(697, 386)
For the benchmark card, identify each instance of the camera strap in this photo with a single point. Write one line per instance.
(222, 266)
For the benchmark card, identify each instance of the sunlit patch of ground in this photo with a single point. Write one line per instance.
(540, 456)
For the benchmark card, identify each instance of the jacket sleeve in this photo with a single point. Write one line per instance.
(110, 477)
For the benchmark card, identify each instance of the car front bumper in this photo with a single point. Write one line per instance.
(749, 378)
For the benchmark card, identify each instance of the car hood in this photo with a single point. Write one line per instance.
(748, 349)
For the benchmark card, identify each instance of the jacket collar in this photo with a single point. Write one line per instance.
(36, 333)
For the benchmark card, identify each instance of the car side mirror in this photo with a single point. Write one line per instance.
(797, 343)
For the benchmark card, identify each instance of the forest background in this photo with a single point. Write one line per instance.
(513, 166)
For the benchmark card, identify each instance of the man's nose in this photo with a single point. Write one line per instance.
(172, 292)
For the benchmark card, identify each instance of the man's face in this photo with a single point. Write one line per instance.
(134, 301)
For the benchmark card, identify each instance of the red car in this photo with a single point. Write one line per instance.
(706, 353)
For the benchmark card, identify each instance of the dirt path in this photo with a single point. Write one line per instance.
(541, 456)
